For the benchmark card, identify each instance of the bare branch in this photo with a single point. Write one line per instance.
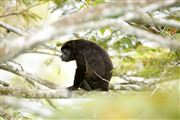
(27, 76)
(45, 53)
(4, 83)
(129, 87)
(21, 45)
(35, 94)
(12, 28)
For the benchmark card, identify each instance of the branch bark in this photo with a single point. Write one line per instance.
(27, 76)
(4, 83)
(12, 28)
(34, 94)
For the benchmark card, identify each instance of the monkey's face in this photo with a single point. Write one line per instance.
(66, 55)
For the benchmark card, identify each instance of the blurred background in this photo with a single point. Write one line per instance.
(142, 38)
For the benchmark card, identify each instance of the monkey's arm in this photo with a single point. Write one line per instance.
(79, 77)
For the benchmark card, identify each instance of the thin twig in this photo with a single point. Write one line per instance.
(51, 47)
(45, 53)
(12, 28)
(101, 77)
(22, 11)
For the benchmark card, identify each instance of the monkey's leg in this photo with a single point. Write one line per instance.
(79, 77)
(85, 85)
(104, 86)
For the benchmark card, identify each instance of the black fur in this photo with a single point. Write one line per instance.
(93, 64)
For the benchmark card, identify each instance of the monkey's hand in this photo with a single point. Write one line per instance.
(71, 88)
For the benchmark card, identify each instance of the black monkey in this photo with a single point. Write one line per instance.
(93, 64)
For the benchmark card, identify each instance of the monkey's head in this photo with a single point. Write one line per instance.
(67, 52)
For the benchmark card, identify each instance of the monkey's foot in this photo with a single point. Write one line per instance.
(72, 88)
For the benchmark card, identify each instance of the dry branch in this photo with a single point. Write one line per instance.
(45, 53)
(4, 83)
(23, 44)
(12, 28)
(27, 76)
(35, 94)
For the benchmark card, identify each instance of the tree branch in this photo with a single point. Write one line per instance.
(4, 83)
(27, 76)
(31, 106)
(35, 94)
(12, 28)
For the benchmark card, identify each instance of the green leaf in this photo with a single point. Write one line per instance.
(102, 30)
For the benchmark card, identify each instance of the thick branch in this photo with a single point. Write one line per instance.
(105, 10)
(31, 106)
(35, 94)
(21, 45)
